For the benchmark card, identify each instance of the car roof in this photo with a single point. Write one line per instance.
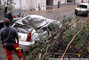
(84, 4)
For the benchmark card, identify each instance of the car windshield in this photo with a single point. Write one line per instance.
(82, 6)
(22, 28)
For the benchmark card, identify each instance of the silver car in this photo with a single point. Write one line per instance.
(82, 8)
(33, 28)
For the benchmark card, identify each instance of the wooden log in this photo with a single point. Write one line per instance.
(70, 43)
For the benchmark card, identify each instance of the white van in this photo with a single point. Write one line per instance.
(82, 8)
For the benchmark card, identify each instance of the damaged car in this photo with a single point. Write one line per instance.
(25, 33)
(34, 27)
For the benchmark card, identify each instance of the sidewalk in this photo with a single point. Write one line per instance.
(62, 6)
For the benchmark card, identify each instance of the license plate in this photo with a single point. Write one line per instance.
(80, 12)
(19, 37)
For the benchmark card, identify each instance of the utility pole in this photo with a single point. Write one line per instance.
(20, 11)
(20, 5)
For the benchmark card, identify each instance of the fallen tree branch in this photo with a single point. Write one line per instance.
(61, 32)
(58, 36)
(70, 43)
(40, 54)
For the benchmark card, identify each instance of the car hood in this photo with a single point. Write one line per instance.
(81, 9)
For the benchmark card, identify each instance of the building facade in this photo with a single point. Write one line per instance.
(0, 1)
(74, 1)
(28, 4)
(39, 4)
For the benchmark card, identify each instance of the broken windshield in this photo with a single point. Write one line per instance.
(82, 6)
(22, 28)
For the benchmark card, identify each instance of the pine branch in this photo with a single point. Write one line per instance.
(61, 32)
(70, 43)
(58, 36)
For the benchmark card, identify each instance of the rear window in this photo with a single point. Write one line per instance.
(82, 6)
(22, 28)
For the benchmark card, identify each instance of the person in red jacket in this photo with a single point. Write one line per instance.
(8, 35)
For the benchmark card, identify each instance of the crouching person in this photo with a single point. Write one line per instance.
(8, 35)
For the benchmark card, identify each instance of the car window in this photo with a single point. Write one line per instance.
(82, 6)
(22, 28)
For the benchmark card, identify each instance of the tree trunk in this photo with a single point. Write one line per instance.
(74, 1)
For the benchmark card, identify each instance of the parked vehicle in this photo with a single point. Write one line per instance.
(82, 8)
(17, 14)
(33, 28)
(26, 34)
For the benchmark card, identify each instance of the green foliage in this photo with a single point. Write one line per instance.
(9, 8)
(10, 4)
(1, 8)
(80, 45)
(37, 48)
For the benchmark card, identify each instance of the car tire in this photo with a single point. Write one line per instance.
(86, 15)
(76, 13)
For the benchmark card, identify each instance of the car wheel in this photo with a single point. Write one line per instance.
(86, 15)
(76, 13)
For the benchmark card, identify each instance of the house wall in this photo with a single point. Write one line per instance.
(36, 4)
(63, 1)
(86, 1)
(72, 1)
(33, 4)
(17, 4)
(55, 2)
(25, 4)
(78, 1)
(29, 4)
(43, 4)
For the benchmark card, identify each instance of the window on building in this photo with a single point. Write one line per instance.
(69, 0)
(49, 2)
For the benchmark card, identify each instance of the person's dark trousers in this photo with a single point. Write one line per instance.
(58, 5)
